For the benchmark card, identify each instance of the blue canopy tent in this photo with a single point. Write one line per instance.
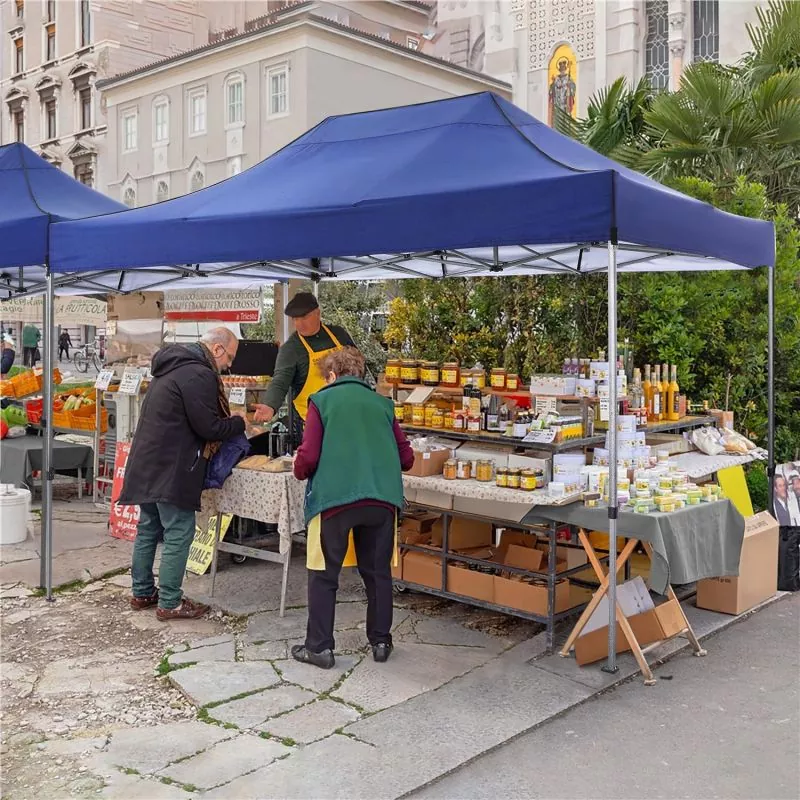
(467, 186)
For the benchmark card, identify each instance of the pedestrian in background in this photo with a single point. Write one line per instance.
(8, 355)
(352, 454)
(64, 344)
(185, 416)
(31, 336)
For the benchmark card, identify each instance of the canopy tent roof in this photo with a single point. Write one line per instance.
(465, 186)
(34, 193)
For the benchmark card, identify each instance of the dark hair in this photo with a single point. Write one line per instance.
(345, 362)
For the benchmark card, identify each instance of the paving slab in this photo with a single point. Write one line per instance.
(269, 627)
(352, 641)
(436, 630)
(95, 675)
(213, 682)
(148, 750)
(251, 711)
(225, 651)
(314, 721)
(209, 641)
(225, 761)
(132, 787)
(265, 652)
(147, 621)
(330, 768)
(413, 669)
(121, 581)
(350, 615)
(314, 678)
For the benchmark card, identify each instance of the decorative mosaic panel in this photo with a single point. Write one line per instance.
(554, 21)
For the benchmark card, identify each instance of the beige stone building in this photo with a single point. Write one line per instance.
(193, 119)
(565, 50)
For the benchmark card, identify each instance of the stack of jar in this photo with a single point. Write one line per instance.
(526, 479)
(449, 375)
(463, 469)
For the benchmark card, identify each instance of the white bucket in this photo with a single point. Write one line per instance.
(14, 511)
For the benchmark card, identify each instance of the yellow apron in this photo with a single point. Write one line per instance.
(315, 381)
(315, 558)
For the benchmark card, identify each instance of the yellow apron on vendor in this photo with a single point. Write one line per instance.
(315, 558)
(315, 380)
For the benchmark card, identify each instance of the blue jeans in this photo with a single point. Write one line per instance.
(176, 526)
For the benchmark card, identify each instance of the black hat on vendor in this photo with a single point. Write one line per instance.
(301, 304)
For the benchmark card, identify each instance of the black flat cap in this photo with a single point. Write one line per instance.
(301, 304)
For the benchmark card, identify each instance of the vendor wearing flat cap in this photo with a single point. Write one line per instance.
(298, 357)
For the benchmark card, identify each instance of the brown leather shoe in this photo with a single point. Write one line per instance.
(139, 603)
(186, 610)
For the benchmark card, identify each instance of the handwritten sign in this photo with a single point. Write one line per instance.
(123, 520)
(546, 436)
(104, 378)
(202, 551)
(237, 396)
(131, 380)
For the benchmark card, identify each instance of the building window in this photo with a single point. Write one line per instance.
(20, 9)
(85, 108)
(51, 10)
(162, 192)
(50, 42)
(278, 83)
(412, 43)
(656, 48)
(161, 122)
(234, 166)
(129, 131)
(19, 55)
(85, 24)
(129, 197)
(84, 173)
(234, 101)
(197, 112)
(198, 181)
(18, 120)
(705, 30)
(50, 119)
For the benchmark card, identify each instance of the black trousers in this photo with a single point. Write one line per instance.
(29, 356)
(61, 350)
(373, 537)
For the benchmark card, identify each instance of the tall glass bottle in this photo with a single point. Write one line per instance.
(635, 392)
(664, 391)
(673, 411)
(655, 412)
(647, 387)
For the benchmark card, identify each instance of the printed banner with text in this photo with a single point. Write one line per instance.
(123, 519)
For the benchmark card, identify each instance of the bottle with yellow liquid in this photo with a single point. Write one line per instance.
(664, 391)
(655, 409)
(647, 387)
(673, 411)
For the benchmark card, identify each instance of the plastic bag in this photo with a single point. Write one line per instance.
(224, 460)
(16, 432)
(707, 440)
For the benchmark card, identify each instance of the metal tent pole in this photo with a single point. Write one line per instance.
(771, 387)
(46, 558)
(611, 664)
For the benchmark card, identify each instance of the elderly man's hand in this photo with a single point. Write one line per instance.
(241, 414)
(263, 413)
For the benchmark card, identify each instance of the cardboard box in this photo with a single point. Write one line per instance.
(499, 510)
(470, 583)
(482, 451)
(430, 498)
(422, 568)
(529, 597)
(724, 418)
(654, 625)
(397, 572)
(758, 571)
(524, 558)
(463, 534)
(429, 463)
(419, 521)
(139, 305)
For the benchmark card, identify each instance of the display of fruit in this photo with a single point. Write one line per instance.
(3, 429)
(14, 415)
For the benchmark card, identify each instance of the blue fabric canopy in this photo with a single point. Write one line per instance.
(34, 193)
(454, 175)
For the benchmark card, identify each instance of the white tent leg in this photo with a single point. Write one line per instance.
(611, 664)
(46, 557)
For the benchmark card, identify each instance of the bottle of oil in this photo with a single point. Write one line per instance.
(635, 391)
(647, 387)
(673, 412)
(664, 391)
(655, 408)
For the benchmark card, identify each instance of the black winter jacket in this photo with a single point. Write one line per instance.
(180, 414)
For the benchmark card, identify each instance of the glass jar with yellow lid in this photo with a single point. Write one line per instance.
(527, 480)
(501, 477)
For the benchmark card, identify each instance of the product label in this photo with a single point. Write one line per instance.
(131, 380)
(237, 396)
(104, 378)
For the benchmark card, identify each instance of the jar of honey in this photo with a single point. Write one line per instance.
(450, 471)
(430, 410)
(429, 373)
(512, 382)
(514, 478)
(409, 371)
(497, 378)
(464, 470)
(399, 412)
(450, 374)
(478, 377)
(484, 471)
(527, 480)
(392, 372)
(448, 420)
(501, 477)
(437, 419)
(418, 415)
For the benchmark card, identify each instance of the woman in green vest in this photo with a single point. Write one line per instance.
(352, 454)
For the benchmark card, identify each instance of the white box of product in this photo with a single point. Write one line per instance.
(557, 385)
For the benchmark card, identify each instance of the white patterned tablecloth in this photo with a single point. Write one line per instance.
(271, 497)
(698, 465)
(485, 490)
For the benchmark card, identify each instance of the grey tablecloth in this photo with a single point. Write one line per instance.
(696, 542)
(20, 457)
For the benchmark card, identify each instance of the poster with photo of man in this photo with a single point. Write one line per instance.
(787, 494)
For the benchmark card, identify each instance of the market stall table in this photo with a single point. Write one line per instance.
(22, 456)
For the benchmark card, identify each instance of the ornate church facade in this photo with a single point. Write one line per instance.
(560, 52)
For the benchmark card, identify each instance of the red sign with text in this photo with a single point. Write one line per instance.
(123, 520)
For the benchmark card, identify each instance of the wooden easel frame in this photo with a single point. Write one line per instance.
(627, 631)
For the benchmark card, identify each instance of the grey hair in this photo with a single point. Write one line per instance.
(220, 335)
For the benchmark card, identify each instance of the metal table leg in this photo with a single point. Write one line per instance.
(285, 580)
(215, 552)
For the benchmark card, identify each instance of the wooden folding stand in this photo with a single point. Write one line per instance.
(622, 620)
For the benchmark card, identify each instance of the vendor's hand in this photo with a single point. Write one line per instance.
(263, 413)
(241, 414)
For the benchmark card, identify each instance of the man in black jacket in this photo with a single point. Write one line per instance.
(185, 416)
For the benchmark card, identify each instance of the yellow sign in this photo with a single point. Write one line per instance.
(733, 484)
(202, 550)
(562, 83)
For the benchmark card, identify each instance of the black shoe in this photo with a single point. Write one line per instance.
(381, 652)
(323, 660)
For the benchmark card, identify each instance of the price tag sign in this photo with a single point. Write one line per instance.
(104, 379)
(131, 380)
(547, 436)
(236, 396)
